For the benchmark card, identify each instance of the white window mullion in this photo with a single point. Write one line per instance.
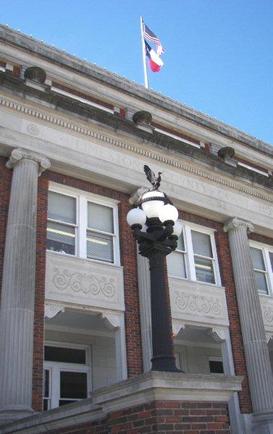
(215, 263)
(190, 258)
(82, 226)
(55, 389)
(269, 274)
(116, 237)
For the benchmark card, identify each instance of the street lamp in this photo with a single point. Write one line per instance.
(155, 227)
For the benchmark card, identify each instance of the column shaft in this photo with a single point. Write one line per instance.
(18, 291)
(252, 326)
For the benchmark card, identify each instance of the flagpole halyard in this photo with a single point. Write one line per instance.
(146, 83)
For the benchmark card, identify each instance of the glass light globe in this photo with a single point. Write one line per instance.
(136, 216)
(152, 207)
(177, 229)
(168, 212)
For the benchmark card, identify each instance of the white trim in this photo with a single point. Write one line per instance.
(253, 169)
(55, 368)
(188, 227)
(82, 198)
(81, 99)
(174, 136)
(265, 249)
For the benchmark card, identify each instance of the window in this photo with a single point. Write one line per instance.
(82, 224)
(195, 256)
(66, 375)
(262, 260)
(216, 365)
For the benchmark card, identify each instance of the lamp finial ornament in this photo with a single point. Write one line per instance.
(155, 181)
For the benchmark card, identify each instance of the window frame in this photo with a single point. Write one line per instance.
(82, 198)
(266, 250)
(188, 227)
(55, 369)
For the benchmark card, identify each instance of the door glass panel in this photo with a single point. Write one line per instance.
(46, 401)
(66, 355)
(73, 385)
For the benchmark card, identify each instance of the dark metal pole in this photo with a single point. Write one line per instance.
(163, 351)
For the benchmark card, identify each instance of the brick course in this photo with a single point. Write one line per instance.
(5, 184)
(160, 417)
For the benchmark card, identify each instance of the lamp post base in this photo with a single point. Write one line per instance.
(164, 363)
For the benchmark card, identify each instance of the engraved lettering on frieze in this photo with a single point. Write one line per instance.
(198, 304)
(86, 283)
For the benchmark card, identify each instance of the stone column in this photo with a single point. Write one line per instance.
(252, 326)
(18, 287)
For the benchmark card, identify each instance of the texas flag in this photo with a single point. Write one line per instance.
(155, 61)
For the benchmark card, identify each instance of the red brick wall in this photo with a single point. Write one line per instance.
(5, 184)
(225, 265)
(161, 416)
(38, 338)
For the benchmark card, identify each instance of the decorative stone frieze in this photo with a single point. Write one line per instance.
(198, 303)
(84, 282)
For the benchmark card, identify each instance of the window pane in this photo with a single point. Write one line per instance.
(46, 383)
(100, 217)
(201, 244)
(61, 207)
(66, 355)
(73, 385)
(100, 246)
(216, 367)
(204, 270)
(257, 258)
(176, 264)
(261, 283)
(60, 238)
(180, 243)
(271, 260)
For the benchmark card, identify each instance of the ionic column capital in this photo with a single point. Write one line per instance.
(236, 223)
(20, 154)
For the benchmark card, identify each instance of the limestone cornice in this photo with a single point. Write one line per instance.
(173, 161)
(236, 223)
(20, 154)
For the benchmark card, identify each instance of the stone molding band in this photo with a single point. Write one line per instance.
(183, 165)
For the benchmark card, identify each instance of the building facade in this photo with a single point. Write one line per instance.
(75, 307)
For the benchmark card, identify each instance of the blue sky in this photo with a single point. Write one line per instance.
(218, 59)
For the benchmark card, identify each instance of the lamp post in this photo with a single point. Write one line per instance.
(155, 227)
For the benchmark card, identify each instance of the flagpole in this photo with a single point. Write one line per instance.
(146, 83)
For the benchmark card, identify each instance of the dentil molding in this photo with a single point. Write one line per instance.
(102, 137)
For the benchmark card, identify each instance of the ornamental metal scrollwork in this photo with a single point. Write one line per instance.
(198, 304)
(65, 280)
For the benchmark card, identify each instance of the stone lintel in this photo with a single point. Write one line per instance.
(20, 154)
(236, 222)
(148, 387)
